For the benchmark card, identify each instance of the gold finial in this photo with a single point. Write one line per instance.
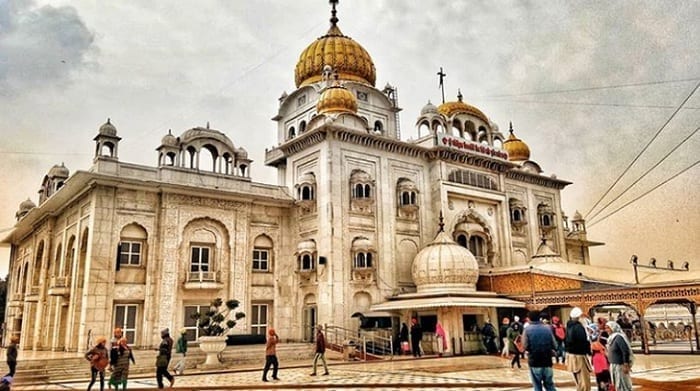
(459, 94)
(334, 18)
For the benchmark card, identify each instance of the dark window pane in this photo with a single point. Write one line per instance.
(124, 246)
(191, 335)
(124, 258)
(136, 247)
(205, 255)
(131, 317)
(135, 259)
(195, 254)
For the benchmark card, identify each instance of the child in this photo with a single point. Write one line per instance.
(601, 367)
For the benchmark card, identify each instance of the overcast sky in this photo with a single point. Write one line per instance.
(66, 66)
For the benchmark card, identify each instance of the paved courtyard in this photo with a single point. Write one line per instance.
(658, 372)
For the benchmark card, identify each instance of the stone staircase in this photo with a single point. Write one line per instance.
(42, 371)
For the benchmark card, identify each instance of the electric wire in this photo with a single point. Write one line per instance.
(594, 215)
(648, 83)
(589, 104)
(644, 194)
(643, 150)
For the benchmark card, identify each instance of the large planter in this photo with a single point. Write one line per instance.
(212, 346)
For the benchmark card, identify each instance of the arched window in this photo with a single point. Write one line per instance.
(132, 242)
(517, 215)
(476, 247)
(292, 132)
(37, 264)
(307, 193)
(306, 262)
(378, 127)
(262, 254)
(462, 240)
(302, 127)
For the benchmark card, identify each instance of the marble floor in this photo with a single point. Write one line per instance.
(654, 372)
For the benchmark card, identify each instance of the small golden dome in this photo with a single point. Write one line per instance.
(336, 99)
(347, 57)
(516, 148)
(449, 109)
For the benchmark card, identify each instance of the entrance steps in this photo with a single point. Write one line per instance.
(72, 366)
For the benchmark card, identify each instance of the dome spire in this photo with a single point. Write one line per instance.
(334, 18)
(441, 223)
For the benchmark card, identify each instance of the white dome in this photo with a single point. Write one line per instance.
(429, 108)
(107, 129)
(445, 266)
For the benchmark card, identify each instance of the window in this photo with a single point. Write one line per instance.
(302, 127)
(258, 323)
(462, 240)
(363, 260)
(476, 247)
(292, 132)
(125, 317)
(130, 253)
(190, 324)
(516, 215)
(261, 260)
(470, 178)
(306, 262)
(307, 193)
(362, 191)
(200, 259)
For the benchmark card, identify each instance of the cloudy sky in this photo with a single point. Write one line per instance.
(587, 85)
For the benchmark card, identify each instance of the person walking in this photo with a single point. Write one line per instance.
(489, 337)
(120, 367)
(99, 360)
(416, 337)
(320, 350)
(271, 355)
(620, 357)
(403, 339)
(181, 348)
(515, 344)
(163, 359)
(539, 344)
(503, 333)
(559, 332)
(578, 348)
(11, 355)
(114, 347)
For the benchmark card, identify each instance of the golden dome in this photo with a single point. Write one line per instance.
(336, 99)
(449, 109)
(347, 57)
(516, 148)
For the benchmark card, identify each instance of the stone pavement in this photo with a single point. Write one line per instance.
(656, 372)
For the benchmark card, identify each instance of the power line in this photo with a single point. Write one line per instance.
(649, 83)
(43, 153)
(589, 104)
(645, 173)
(644, 194)
(643, 150)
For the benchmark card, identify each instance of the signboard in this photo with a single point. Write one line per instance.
(460, 144)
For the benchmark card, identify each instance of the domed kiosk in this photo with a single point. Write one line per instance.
(445, 275)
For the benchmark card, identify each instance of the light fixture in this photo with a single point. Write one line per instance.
(652, 262)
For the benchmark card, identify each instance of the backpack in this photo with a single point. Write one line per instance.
(560, 332)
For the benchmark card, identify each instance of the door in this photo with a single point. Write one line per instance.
(309, 323)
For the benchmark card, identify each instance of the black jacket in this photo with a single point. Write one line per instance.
(577, 339)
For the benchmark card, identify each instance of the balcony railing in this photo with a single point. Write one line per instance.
(60, 286)
(203, 280)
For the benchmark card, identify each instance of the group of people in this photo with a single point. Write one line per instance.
(271, 360)
(602, 349)
(119, 357)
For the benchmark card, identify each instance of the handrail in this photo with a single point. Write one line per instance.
(365, 342)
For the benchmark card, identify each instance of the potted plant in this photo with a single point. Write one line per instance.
(214, 325)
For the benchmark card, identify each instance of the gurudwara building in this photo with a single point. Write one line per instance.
(360, 221)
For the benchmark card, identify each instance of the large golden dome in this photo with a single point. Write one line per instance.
(347, 57)
(336, 99)
(516, 148)
(449, 109)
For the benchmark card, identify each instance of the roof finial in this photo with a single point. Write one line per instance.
(441, 224)
(334, 18)
(459, 94)
(108, 121)
(207, 124)
(442, 75)
(510, 124)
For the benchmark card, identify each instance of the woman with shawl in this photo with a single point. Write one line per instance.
(620, 357)
(441, 339)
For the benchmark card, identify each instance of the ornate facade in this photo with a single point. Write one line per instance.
(144, 247)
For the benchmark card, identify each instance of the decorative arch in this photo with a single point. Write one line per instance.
(406, 251)
(133, 239)
(205, 251)
(38, 260)
(474, 228)
(262, 253)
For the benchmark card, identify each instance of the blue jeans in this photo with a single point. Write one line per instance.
(542, 376)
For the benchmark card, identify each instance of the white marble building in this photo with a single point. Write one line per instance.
(144, 246)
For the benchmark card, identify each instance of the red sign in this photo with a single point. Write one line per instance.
(447, 140)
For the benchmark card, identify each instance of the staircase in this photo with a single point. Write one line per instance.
(362, 345)
(73, 367)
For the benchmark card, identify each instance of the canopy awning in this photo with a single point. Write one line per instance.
(373, 314)
(449, 301)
